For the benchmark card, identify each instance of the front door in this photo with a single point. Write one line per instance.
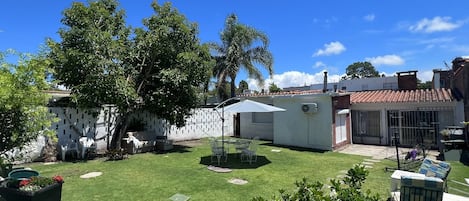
(340, 128)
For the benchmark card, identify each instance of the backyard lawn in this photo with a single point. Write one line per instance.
(158, 176)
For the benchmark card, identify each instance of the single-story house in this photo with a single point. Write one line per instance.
(415, 116)
(312, 119)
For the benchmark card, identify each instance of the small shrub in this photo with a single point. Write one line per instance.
(116, 154)
(347, 189)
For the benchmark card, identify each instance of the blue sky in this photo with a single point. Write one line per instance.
(307, 37)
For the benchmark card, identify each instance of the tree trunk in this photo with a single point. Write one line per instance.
(121, 127)
(233, 88)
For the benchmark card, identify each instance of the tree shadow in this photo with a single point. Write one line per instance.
(300, 149)
(176, 149)
(234, 162)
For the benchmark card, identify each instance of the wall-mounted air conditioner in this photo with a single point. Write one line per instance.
(309, 107)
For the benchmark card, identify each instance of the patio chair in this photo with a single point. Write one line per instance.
(87, 145)
(217, 151)
(249, 154)
(414, 188)
(436, 168)
(428, 168)
(69, 146)
(241, 145)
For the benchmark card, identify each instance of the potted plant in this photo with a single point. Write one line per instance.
(445, 134)
(36, 188)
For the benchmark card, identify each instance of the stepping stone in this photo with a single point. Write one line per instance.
(50, 163)
(467, 180)
(218, 169)
(343, 171)
(372, 160)
(238, 181)
(91, 175)
(340, 176)
(276, 150)
(179, 197)
(367, 163)
(368, 167)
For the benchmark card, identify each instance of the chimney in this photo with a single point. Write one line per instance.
(324, 89)
(407, 80)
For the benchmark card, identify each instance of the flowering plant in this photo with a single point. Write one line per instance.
(36, 183)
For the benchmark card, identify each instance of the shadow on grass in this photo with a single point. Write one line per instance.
(234, 162)
(302, 149)
(176, 149)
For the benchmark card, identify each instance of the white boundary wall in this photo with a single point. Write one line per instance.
(74, 123)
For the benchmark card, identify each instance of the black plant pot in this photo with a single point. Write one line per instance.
(49, 193)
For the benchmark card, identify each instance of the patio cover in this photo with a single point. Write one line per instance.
(251, 106)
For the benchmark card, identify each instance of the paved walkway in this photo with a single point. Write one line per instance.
(379, 152)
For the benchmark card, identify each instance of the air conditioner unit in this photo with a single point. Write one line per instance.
(309, 107)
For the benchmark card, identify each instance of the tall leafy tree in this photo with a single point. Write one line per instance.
(159, 68)
(273, 88)
(361, 70)
(424, 85)
(242, 86)
(241, 48)
(23, 111)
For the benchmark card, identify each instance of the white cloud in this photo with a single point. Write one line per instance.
(391, 59)
(294, 79)
(461, 48)
(434, 25)
(437, 40)
(425, 75)
(330, 49)
(369, 17)
(319, 64)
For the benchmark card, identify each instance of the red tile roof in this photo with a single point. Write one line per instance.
(390, 96)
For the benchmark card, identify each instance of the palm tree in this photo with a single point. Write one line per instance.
(242, 47)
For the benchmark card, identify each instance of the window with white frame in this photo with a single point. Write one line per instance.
(262, 117)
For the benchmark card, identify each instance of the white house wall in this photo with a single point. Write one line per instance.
(249, 129)
(296, 128)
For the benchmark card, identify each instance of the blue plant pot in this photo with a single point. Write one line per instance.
(49, 193)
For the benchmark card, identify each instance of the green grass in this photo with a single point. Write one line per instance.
(152, 176)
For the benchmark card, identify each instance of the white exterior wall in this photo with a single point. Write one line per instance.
(363, 84)
(250, 129)
(296, 128)
(372, 83)
(74, 123)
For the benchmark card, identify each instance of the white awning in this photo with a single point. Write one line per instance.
(251, 106)
(343, 111)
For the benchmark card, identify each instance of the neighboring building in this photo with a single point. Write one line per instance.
(456, 79)
(312, 119)
(413, 115)
(408, 80)
(442, 79)
(461, 81)
(303, 88)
